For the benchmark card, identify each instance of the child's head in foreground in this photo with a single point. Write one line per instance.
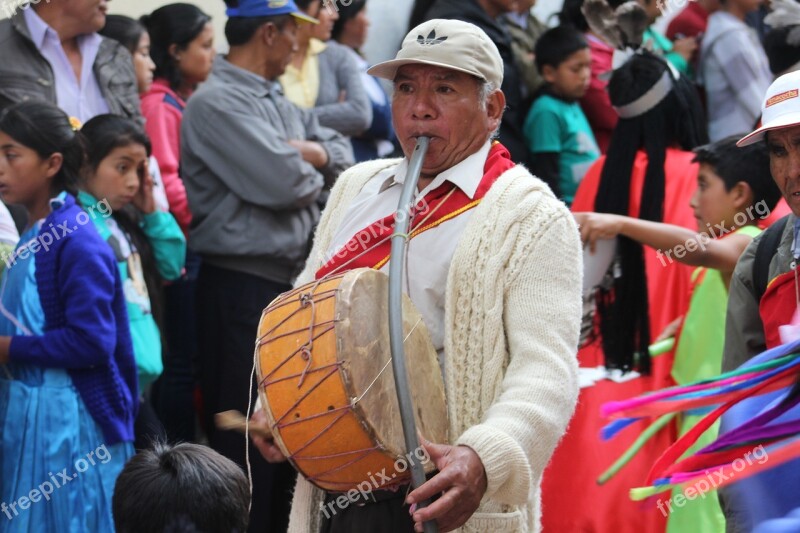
(181, 489)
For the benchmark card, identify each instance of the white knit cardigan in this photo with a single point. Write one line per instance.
(512, 313)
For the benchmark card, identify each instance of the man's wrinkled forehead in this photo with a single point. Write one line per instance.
(417, 72)
(790, 134)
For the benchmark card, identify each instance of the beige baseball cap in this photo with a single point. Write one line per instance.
(451, 44)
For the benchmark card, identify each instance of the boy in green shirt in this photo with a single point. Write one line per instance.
(556, 130)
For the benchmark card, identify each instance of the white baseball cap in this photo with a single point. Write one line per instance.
(781, 107)
(452, 44)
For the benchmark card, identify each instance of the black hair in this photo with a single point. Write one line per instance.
(239, 30)
(571, 15)
(782, 55)
(556, 45)
(125, 30)
(186, 487)
(677, 120)
(104, 133)
(304, 4)
(346, 12)
(749, 164)
(100, 136)
(173, 24)
(46, 129)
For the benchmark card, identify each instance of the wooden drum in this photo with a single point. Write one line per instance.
(326, 382)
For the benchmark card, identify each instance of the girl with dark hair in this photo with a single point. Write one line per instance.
(350, 30)
(133, 35)
(68, 383)
(183, 51)
(148, 244)
(647, 173)
(182, 47)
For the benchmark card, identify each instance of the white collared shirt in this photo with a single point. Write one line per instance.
(82, 98)
(429, 253)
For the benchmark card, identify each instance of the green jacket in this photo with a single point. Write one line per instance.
(169, 249)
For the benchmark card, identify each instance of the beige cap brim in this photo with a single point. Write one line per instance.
(388, 69)
(784, 121)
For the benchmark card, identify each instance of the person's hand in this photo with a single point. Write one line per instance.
(596, 226)
(269, 450)
(143, 200)
(671, 330)
(312, 152)
(461, 484)
(685, 47)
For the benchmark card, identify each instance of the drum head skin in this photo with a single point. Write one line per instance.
(333, 409)
(363, 336)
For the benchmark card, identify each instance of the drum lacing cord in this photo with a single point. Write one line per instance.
(307, 299)
(304, 299)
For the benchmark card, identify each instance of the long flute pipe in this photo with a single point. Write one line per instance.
(396, 334)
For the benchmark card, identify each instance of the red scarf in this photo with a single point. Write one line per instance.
(777, 307)
(445, 202)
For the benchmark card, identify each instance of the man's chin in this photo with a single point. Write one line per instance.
(794, 203)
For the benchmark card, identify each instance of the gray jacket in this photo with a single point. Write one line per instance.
(252, 196)
(744, 332)
(339, 72)
(26, 75)
(744, 339)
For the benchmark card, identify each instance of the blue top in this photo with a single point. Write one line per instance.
(86, 324)
(19, 297)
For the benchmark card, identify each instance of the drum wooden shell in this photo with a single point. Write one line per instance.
(333, 408)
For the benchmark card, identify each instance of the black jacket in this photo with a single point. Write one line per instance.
(470, 11)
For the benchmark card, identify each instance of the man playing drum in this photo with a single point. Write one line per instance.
(495, 271)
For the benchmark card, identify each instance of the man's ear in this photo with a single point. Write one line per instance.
(268, 33)
(495, 106)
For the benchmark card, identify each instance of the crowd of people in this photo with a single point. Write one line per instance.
(156, 197)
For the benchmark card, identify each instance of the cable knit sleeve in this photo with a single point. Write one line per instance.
(541, 308)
